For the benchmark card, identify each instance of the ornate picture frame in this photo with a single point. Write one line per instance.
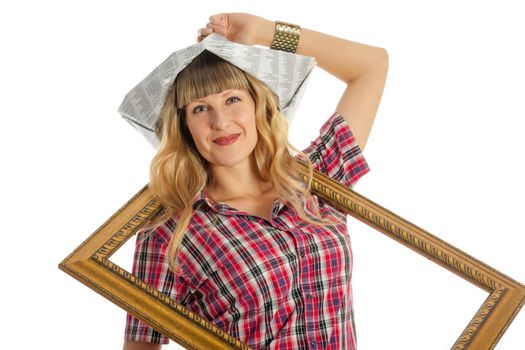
(90, 264)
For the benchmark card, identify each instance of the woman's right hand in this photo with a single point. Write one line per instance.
(242, 28)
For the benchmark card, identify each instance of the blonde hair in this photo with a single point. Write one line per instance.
(179, 173)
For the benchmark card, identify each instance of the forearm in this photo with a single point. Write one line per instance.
(344, 59)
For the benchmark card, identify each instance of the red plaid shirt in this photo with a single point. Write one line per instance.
(283, 284)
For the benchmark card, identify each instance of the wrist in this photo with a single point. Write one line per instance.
(264, 33)
(286, 37)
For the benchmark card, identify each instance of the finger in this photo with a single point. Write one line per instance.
(215, 26)
(219, 29)
(218, 19)
(204, 31)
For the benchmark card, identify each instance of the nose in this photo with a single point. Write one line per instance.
(219, 118)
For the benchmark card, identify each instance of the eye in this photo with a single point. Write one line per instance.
(232, 99)
(199, 108)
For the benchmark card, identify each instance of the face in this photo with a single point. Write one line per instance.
(223, 127)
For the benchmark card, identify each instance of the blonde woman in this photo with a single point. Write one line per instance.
(241, 241)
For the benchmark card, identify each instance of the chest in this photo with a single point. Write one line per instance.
(236, 242)
(261, 206)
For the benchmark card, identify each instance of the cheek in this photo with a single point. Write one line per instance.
(195, 129)
(247, 118)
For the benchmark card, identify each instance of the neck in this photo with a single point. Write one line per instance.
(235, 182)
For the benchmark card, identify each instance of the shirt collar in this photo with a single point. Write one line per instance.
(203, 200)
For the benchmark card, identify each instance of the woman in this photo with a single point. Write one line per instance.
(241, 241)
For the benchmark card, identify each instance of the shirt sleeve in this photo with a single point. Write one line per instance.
(335, 152)
(151, 266)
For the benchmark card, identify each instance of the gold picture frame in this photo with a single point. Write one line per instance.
(90, 264)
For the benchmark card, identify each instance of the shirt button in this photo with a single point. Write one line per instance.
(314, 343)
(302, 253)
(309, 295)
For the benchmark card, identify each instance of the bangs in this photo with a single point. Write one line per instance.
(207, 74)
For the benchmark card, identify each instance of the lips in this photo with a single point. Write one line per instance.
(226, 140)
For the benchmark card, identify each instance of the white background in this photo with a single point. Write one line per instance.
(446, 153)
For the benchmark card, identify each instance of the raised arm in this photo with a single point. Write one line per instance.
(362, 67)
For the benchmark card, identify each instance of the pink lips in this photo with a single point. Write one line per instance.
(228, 140)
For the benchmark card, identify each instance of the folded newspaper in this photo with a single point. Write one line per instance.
(285, 73)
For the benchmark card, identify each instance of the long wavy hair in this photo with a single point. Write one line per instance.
(179, 173)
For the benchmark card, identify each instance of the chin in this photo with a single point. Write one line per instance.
(230, 160)
(228, 163)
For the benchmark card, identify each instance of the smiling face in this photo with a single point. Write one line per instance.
(223, 127)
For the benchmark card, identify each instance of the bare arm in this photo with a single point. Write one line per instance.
(362, 67)
(134, 345)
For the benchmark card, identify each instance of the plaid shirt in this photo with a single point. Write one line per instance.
(283, 284)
